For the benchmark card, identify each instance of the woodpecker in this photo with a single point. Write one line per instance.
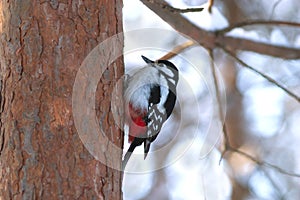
(150, 97)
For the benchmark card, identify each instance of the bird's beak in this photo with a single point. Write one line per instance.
(148, 61)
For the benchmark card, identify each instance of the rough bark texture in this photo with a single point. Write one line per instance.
(43, 44)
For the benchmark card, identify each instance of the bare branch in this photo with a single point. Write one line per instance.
(228, 146)
(186, 10)
(290, 93)
(178, 49)
(279, 194)
(263, 163)
(210, 5)
(259, 22)
(180, 23)
(164, 5)
(230, 45)
(220, 108)
(236, 44)
(274, 7)
(209, 39)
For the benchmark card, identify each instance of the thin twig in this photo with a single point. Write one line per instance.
(175, 10)
(210, 39)
(271, 80)
(259, 22)
(263, 163)
(228, 146)
(274, 7)
(185, 10)
(220, 108)
(178, 49)
(217, 90)
(274, 184)
(210, 5)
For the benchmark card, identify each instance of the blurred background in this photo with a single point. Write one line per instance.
(261, 119)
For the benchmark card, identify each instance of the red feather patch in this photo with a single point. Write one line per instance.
(137, 124)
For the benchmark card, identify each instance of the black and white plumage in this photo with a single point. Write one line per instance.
(150, 97)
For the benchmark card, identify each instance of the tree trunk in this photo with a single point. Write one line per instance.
(43, 44)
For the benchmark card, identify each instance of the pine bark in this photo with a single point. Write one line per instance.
(43, 44)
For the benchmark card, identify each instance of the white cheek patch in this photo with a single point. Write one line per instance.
(139, 84)
(139, 97)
